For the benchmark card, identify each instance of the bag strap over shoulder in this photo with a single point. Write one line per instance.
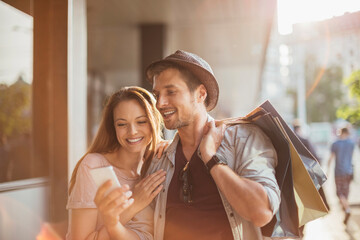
(249, 118)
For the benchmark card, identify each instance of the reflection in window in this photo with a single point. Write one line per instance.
(16, 60)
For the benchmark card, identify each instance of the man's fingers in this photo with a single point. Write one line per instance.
(223, 128)
(218, 122)
(212, 125)
(208, 126)
(160, 147)
(160, 151)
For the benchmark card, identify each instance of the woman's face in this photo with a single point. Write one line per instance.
(133, 129)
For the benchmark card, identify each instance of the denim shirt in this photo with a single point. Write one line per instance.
(249, 153)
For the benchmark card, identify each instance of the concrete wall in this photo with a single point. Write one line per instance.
(231, 36)
(114, 52)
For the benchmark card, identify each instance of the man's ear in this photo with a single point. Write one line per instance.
(201, 93)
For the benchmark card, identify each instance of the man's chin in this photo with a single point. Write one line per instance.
(174, 126)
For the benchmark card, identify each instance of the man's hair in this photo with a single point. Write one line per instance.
(296, 128)
(344, 131)
(191, 80)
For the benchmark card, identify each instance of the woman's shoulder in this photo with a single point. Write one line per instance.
(94, 160)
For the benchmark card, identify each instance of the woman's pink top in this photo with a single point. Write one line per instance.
(84, 190)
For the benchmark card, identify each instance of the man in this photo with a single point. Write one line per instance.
(215, 188)
(342, 150)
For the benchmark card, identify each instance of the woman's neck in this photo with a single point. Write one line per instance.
(130, 162)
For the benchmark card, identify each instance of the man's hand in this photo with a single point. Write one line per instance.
(211, 140)
(161, 147)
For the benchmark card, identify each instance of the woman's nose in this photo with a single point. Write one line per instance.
(133, 129)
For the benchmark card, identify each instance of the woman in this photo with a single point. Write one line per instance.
(127, 138)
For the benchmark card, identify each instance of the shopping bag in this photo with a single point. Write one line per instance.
(312, 165)
(294, 201)
(308, 200)
(283, 224)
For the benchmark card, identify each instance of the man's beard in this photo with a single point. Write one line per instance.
(179, 123)
(176, 125)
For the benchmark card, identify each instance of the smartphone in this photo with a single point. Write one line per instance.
(101, 175)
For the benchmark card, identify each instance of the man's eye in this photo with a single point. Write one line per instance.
(171, 92)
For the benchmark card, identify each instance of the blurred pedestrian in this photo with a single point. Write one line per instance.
(342, 150)
(298, 131)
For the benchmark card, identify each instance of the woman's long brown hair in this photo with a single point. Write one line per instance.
(106, 141)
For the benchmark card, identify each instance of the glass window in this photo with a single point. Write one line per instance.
(16, 73)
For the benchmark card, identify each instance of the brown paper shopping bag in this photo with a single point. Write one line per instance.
(308, 200)
(299, 204)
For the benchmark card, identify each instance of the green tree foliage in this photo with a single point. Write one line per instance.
(15, 109)
(328, 95)
(351, 112)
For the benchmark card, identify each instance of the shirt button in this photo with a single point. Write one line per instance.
(231, 214)
(164, 190)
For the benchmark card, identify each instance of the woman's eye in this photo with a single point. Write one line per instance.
(121, 124)
(142, 122)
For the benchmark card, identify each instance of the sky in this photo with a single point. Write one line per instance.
(296, 11)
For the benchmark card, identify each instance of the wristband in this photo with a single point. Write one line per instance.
(214, 161)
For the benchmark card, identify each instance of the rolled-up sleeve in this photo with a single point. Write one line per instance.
(256, 160)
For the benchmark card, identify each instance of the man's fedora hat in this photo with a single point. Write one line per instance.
(197, 66)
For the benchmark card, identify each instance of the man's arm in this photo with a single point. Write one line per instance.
(248, 198)
(331, 158)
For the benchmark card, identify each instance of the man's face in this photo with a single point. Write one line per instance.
(175, 102)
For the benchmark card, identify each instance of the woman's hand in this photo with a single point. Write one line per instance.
(147, 189)
(161, 147)
(110, 206)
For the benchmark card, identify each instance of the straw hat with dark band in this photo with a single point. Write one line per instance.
(197, 66)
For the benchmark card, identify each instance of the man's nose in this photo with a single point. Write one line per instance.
(161, 102)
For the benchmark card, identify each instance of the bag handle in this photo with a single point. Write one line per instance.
(249, 118)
